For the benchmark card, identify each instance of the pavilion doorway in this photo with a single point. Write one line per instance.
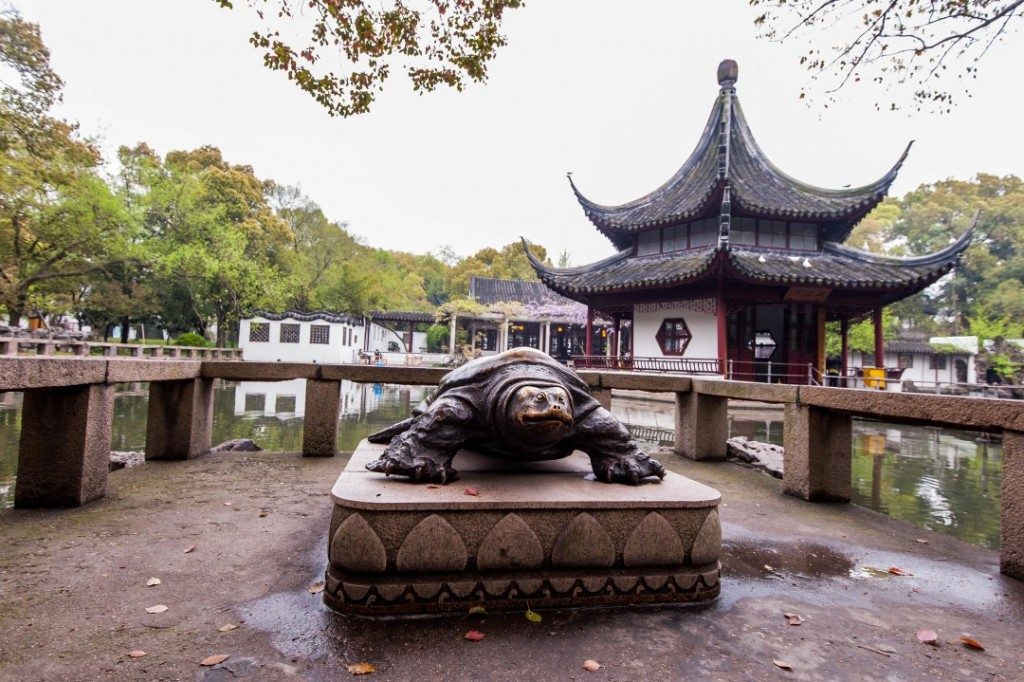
(772, 342)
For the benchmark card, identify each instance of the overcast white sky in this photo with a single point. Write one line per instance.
(617, 92)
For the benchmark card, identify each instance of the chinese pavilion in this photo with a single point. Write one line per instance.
(734, 265)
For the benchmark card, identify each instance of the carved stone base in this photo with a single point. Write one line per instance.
(543, 534)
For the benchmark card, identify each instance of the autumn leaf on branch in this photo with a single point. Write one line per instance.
(342, 51)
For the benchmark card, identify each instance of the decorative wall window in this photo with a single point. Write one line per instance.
(648, 243)
(255, 402)
(289, 333)
(771, 233)
(904, 360)
(803, 236)
(937, 362)
(285, 404)
(319, 333)
(674, 238)
(743, 231)
(673, 336)
(703, 233)
(259, 332)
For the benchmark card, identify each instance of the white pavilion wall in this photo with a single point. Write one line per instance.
(700, 319)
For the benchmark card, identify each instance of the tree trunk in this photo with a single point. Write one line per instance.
(221, 328)
(124, 329)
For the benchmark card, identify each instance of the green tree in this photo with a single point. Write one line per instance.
(508, 262)
(59, 222)
(443, 42)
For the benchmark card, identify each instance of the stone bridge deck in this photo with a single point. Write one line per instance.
(73, 592)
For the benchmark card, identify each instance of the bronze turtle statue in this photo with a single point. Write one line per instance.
(520, 405)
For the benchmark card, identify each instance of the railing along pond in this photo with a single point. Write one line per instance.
(69, 403)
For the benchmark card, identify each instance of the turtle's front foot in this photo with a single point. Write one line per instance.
(631, 468)
(422, 469)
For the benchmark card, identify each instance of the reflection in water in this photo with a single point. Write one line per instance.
(270, 413)
(940, 479)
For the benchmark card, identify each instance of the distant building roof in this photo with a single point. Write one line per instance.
(401, 316)
(488, 291)
(304, 316)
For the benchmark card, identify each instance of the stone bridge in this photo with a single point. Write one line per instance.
(68, 411)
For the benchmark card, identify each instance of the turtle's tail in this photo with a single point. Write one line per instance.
(385, 435)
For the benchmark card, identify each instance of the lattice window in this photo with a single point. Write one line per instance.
(289, 333)
(259, 332)
(904, 360)
(255, 402)
(673, 336)
(285, 404)
(319, 333)
(938, 362)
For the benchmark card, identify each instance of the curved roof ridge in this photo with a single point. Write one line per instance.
(952, 251)
(881, 184)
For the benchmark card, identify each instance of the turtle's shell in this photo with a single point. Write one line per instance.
(480, 381)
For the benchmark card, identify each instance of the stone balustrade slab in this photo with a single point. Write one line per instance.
(26, 373)
(130, 370)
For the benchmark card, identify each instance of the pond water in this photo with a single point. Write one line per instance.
(941, 479)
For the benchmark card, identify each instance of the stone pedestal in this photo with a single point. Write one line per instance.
(543, 534)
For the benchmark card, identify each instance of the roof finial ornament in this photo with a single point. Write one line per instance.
(728, 73)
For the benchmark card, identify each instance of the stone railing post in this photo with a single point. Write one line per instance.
(8, 346)
(45, 348)
(817, 463)
(65, 446)
(702, 426)
(136, 351)
(603, 396)
(82, 349)
(320, 430)
(180, 421)
(1011, 554)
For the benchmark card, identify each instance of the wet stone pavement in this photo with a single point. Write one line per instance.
(73, 593)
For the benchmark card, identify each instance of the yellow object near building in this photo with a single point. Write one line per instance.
(874, 377)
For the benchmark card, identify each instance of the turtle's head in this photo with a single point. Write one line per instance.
(541, 413)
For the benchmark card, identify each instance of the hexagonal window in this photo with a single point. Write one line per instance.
(673, 336)
(763, 345)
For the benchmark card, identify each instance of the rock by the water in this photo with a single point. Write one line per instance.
(123, 460)
(237, 445)
(761, 455)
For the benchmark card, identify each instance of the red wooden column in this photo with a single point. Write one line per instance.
(588, 343)
(844, 334)
(879, 339)
(722, 317)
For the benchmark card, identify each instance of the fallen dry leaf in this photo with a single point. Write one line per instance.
(471, 491)
(136, 653)
(227, 628)
(361, 668)
(159, 608)
(533, 616)
(214, 659)
(433, 486)
(316, 587)
(972, 643)
(922, 541)
(591, 665)
(474, 635)
(263, 515)
(928, 637)
(477, 611)
(227, 504)
(896, 570)
(782, 664)
(794, 618)
(190, 548)
(152, 581)
(769, 568)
